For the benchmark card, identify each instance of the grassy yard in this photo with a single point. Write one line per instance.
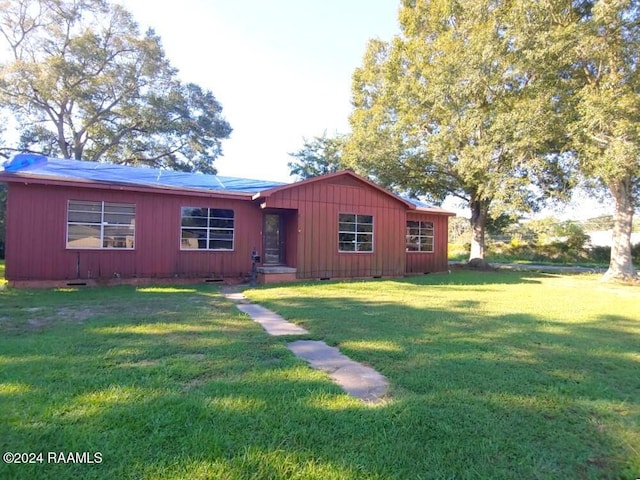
(494, 375)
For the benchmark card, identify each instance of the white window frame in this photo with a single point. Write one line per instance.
(102, 225)
(206, 230)
(356, 241)
(424, 232)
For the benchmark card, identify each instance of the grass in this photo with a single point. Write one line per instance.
(542, 254)
(494, 375)
(462, 255)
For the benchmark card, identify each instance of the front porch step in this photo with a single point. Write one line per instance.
(276, 274)
(276, 269)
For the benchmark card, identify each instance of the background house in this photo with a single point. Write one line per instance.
(77, 222)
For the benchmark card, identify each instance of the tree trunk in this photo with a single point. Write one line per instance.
(620, 264)
(479, 215)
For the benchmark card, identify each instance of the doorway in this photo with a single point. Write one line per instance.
(273, 239)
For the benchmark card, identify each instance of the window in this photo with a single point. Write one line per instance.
(207, 229)
(100, 225)
(419, 236)
(355, 233)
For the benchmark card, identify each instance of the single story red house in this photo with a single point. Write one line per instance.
(76, 222)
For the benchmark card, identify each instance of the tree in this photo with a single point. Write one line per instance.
(459, 230)
(449, 107)
(83, 83)
(603, 86)
(603, 222)
(318, 156)
(3, 216)
(3, 193)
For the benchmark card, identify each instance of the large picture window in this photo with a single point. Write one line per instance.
(419, 236)
(207, 229)
(355, 233)
(99, 225)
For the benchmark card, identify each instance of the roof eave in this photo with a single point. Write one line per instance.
(56, 181)
(439, 211)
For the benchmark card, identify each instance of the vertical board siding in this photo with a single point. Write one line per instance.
(318, 205)
(291, 238)
(427, 262)
(36, 237)
(36, 225)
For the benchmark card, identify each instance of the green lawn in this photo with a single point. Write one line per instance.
(493, 375)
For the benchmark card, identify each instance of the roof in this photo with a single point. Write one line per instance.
(46, 169)
(411, 203)
(425, 207)
(39, 166)
(341, 173)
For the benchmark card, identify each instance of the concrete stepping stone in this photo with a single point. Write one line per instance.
(354, 378)
(273, 323)
(237, 297)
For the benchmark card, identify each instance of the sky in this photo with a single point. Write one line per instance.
(282, 71)
(280, 68)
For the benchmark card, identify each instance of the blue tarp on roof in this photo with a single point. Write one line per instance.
(55, 168)
(416, 202)
(77, 170)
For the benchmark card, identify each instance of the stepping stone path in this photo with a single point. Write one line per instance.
(273, 323)
(354, 378)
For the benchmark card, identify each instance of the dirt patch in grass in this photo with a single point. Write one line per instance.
(37, 318)
(37, 323)
(140, 363)
(78, 315)
(193, 383)
(196, 357)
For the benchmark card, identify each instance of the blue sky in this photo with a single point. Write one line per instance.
(281, 68)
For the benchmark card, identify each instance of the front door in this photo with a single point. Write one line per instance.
(273, 238)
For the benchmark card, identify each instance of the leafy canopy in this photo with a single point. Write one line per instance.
(318, 156)
(601, 87)
(450, 107)
(84, 83)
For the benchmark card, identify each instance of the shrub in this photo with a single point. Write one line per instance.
(575, 235)
(601, 254)
(458, 251)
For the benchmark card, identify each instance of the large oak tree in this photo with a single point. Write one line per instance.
(601, 55)
(588, 52)
(83, 83)
(451, 107)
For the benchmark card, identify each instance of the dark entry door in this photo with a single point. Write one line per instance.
(273, 238)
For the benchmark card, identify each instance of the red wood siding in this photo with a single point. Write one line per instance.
(36, 237)
(318, 205)
(426, 262)
(37, 222)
